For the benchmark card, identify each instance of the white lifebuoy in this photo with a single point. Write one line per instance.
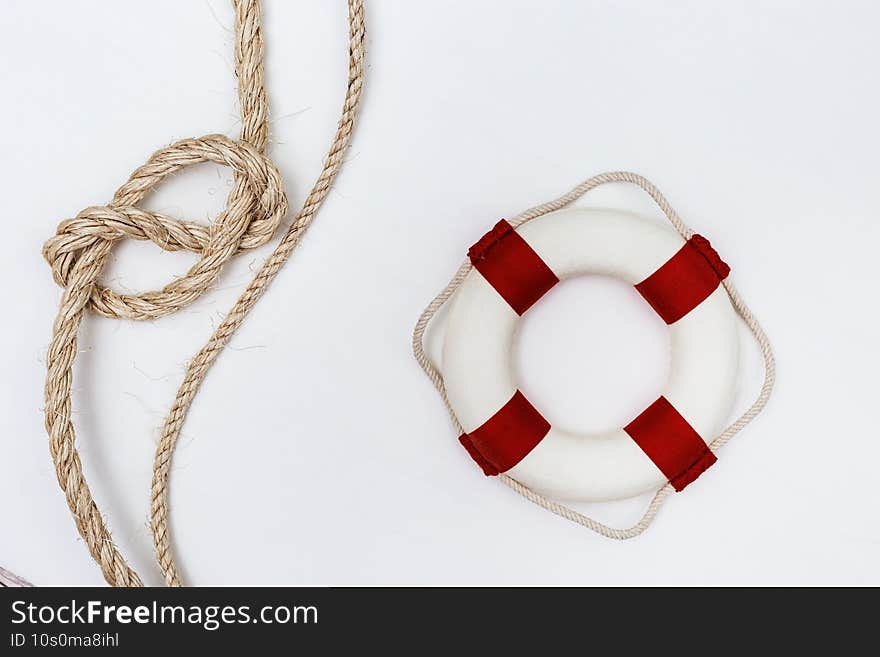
(478, 374)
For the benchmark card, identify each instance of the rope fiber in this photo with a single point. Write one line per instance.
(433, 373)
(256, 206)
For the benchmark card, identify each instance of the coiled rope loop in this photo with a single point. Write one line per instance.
(254, 210)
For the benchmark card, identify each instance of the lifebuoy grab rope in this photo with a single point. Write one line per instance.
(521, 277)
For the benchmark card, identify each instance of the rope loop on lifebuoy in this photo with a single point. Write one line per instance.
(519, 302)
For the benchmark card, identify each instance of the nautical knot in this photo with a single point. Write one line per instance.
(256, 205)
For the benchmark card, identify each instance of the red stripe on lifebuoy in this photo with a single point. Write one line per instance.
(671, 443)
(512, 267)
(504, 439)
(685, 280)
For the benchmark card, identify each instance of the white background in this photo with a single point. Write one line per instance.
(317, 452)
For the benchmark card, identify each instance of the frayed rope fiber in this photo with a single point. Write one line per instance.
(256, 206)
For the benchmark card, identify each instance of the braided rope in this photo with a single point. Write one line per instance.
(255, 208)
(739, 305)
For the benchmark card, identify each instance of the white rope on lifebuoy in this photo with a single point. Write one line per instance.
(511, 480)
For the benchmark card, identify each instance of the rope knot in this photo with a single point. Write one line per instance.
(256, 205)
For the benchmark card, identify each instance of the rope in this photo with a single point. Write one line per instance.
(717, 443)
(10, 580)
(256, 206)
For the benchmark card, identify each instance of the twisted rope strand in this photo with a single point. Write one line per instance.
(10, 580)
(433, 373)
(198, 367)
(255, 208)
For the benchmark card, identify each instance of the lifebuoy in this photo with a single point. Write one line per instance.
(513, 268)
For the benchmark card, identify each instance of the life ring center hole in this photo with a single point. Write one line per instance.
(591, 354)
